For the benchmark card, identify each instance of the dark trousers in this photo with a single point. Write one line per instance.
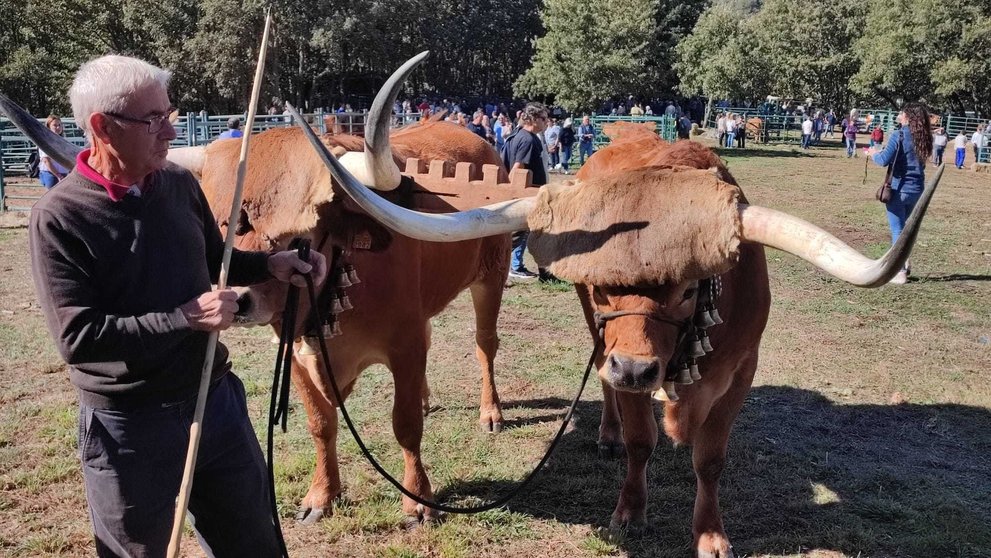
(132, 467)
(938, 154)
(565, 156)
(584, 150)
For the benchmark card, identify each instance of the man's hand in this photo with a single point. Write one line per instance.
(283, 265)
(211, 311)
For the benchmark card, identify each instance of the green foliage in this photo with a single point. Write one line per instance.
(718, 59)
(320, 51)
(842, 53)
(592, 51)
(595, 50)
(808, 44)
(939, 52)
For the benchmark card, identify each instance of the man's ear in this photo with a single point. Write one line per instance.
(98, 125)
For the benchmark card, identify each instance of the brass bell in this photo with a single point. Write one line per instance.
(706, 345)
(335, 305)
(697, 349)
(336, 329)
(714, 316)
(684, 376)
(352, 274)
(703, 320)
(693, 371)
(342, 279)
(346, 302)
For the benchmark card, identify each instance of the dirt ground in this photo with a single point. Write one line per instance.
(866, 432)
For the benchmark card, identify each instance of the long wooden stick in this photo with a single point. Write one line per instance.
(195, 429)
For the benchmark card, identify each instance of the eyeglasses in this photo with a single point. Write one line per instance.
(155, 123)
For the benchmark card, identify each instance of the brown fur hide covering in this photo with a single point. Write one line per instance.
(637, 227)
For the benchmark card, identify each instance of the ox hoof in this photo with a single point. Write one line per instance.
(490, 427)
(633, 528)
(728, 553)
(422, 516)
(611, 450)
(310, 516)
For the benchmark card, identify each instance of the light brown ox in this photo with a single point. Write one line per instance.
(645, 223)
(404, 282)
(402, 287)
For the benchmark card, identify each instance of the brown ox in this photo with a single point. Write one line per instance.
(647, 234)
(404, 282)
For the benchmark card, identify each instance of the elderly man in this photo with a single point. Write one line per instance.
(123, 255)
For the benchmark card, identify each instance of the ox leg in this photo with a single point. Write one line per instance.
(486, 296)
(321, 419)
(409, 376)
(610, 426)
(640, 435)
(709, 458)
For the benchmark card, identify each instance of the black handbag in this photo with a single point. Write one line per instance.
(883, 194)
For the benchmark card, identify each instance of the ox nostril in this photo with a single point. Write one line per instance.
(650, 372)
(243, 304)
(633, 373)
(614, 363)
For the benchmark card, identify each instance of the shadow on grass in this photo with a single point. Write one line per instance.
(802, 473)
(764, 152)
(950, 278)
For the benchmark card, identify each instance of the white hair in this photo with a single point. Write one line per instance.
(104, 85)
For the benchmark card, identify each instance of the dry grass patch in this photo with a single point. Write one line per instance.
(866, 433)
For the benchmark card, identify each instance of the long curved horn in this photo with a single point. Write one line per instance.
(825, 251)
(498, 218)
(55, 146)
(382, 172)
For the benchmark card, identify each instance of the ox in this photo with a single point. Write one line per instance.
(662, 246)
(404, 282)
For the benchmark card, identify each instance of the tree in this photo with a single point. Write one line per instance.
(809, 45)
(939, 52)
(719, 60)
(593, 49)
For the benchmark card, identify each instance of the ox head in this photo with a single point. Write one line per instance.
(640, 239)
(642, 244)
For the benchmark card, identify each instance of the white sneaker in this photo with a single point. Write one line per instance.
(900, 278)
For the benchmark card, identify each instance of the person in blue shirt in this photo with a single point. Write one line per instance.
(525, 150)
(233, 129)
(907, 151)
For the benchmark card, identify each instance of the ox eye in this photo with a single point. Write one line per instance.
(690, 293)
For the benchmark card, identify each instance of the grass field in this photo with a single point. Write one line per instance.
(867, 433)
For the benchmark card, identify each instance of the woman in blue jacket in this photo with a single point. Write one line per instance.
(908, 150)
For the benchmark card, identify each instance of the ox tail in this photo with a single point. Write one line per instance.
(830, 254)
(55, 146)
